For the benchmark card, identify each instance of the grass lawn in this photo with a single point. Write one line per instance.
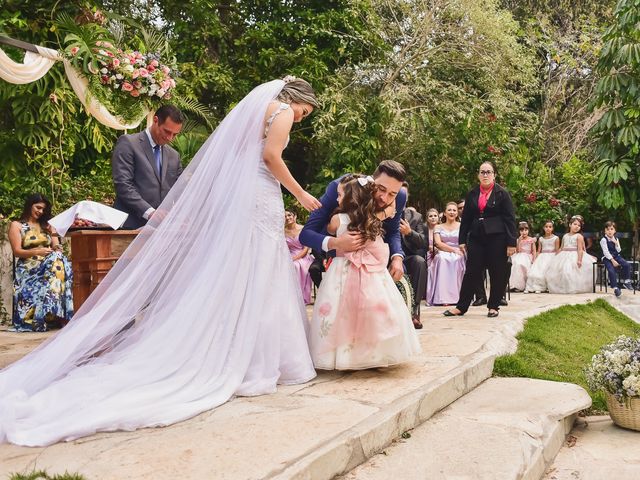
(558, 344)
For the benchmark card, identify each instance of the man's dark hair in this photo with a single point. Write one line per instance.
(392, 168)
(170, 111)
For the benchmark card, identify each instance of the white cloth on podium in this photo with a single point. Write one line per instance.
(87, 210)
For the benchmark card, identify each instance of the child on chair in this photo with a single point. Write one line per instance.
(612, 259)
(360, 319)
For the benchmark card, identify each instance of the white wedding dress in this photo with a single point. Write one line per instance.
(210, 284)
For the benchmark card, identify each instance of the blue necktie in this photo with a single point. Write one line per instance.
(158, 154)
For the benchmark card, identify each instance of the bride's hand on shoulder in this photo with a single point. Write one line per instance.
(308, 201)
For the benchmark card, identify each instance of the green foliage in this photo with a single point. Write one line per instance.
(43, 475)
(617, 96)
(542, 193)
(556, 345)
(432, 95)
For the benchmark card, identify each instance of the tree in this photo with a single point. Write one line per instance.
(447, 89)
(618, 96)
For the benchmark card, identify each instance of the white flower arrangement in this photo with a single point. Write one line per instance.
(616, 369)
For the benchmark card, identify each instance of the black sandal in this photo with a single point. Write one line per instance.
(449, 313)
(493, 314)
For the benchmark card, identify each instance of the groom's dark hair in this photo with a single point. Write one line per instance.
(392, 168)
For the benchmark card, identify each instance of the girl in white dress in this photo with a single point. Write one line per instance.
(548, 246)
(523, 258)
(359, 318)
(571, 269)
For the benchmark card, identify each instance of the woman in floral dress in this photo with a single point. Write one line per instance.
(43, 278)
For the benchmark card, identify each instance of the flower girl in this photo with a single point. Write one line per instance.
(548, 246)
(359, 318)
(571, 270)
(521, 260)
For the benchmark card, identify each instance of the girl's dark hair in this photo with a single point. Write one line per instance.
(359, 204)
(579, 219)
(610, 223)
(544, 224)
(30, 202)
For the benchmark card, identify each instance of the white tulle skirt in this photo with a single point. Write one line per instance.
(391, 351)
(520, 265)
(564, 275)
(536, 280)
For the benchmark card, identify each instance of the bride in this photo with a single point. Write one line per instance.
(203, 305)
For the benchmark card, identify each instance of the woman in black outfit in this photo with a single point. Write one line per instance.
(488, 234)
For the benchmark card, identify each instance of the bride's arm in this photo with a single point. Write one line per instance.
(272, 155)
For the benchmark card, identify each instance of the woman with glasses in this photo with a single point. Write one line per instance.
(488, 234)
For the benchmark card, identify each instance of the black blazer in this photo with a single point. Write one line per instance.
(498, 217)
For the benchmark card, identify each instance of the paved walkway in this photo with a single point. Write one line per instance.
(317, 430)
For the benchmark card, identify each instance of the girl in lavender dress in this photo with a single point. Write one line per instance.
(523, 258)
(571, 270)
(548, 246)
(448, 266)
(302, 260)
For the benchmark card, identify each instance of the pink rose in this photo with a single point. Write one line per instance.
(127, 87)
(151, 68)
(165, 70)
(74, 50)
(325, 309)
(143, 72)
(137, 84)
(116, 62)
(135, 93)
(135, 74)
(173, 83)
(154, 63)
(165, 84)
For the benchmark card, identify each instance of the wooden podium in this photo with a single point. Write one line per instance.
(93, 253)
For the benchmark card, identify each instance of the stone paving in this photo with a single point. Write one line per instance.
(314, 431)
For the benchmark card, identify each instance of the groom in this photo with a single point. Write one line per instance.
(388, 177)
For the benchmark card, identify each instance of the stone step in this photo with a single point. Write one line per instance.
(597, 449)
(314, 431)
(507, 428)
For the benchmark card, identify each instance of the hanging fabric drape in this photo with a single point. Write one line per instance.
(33, 67)
(36, 65)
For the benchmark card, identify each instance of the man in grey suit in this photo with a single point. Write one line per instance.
(144, 167)
(414, 245)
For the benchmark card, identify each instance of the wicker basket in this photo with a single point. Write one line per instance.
(626, 414)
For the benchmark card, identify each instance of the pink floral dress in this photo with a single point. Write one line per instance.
(360, 319)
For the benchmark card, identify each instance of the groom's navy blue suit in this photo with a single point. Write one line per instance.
(315, 229)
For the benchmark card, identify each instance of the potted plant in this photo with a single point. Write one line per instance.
(616, 371)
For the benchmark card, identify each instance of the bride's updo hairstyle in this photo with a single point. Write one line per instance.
(296, 90)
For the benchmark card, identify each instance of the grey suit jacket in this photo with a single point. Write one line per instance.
(135, 178)
(416, 242)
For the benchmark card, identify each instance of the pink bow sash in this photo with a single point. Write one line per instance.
(363, 314)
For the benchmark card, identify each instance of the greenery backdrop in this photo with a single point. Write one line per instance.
(440, 85)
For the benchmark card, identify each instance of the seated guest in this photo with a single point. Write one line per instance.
(299, 254)
(414, 246)
(447, 267)
(433, 219)
(42, 282)
(613, 260)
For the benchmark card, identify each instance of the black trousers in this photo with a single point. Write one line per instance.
(316, 269)
(416, 268)
(490, 252)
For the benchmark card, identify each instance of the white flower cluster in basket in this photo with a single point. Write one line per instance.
(616, 369)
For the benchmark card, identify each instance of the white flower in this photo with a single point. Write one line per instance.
(104, 70)
(161, 92)
(119, 76)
